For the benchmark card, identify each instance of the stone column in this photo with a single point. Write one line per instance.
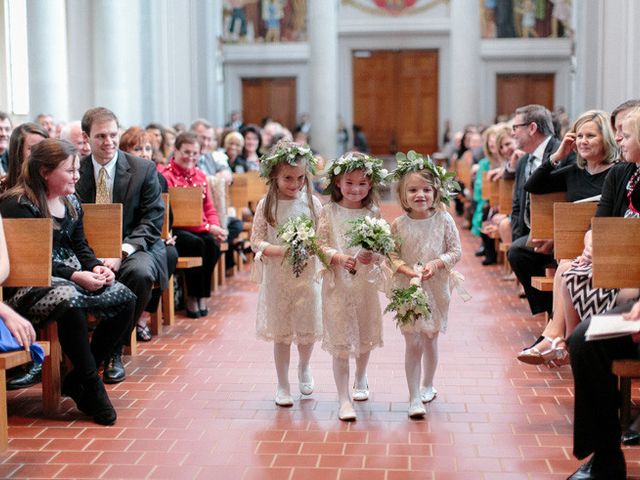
(117, 58)
(465, 63)
(323, 74)
(48, 72)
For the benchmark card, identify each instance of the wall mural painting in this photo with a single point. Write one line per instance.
(249, 21)
(393, 7)
(525, 18)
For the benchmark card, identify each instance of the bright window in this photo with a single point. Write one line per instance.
(17, 56)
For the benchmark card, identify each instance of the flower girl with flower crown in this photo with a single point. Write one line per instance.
(429, 248)
(288, 303)
(351, 313)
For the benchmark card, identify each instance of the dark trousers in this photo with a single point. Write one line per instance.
(527, 263)
(138, 272)
(203, 245)
(596, 426)
(234, 227)
(74, 337)
(156, 293)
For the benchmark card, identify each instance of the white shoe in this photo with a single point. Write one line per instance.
(346, 412)
(416, 409)
(428, 394)
(361, 394)
(306, 387)
(283, 399)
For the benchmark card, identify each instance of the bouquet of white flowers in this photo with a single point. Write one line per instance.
(302, 242)
(372, 234)
(409, 304)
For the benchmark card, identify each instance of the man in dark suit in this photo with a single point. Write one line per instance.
(596, 426)
(533, 133)
(109, 175)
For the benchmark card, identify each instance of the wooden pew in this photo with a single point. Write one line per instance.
(246, 190)
(541, 214)
(29, 244)
(570, 222)
(505, 194)
(103, 230)
(616, 264)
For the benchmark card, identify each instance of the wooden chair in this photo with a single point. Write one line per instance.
(505, 196)
(616, 264)
(103, 230)
(570, 222)
(541, 210)
(29, 243)
(186, 204)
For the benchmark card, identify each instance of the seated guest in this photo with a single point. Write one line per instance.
(80, 282)
(533, 133)
(109, 175)
(22, 139)
(596, 426)
(166, 146)
(5, 133)
(233, 145)
(252, 145)
(620, 198)
(203, 240)
(137, 141)
(18, 326)
(72, 133)
(592, 138)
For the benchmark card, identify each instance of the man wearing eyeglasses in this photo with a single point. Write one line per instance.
(533, 132)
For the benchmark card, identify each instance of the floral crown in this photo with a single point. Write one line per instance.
(289, 152)
(414, 162)
(371, 166)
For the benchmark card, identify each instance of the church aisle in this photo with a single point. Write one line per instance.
(198, 404)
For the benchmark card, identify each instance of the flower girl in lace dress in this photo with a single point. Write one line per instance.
(288, 306)
(429, 248)
(351, 314)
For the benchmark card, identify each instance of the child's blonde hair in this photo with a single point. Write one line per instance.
(434, 183)
(279, 155)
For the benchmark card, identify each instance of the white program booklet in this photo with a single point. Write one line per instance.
(610, 326)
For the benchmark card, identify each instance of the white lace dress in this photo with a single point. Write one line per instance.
(422, 241)
(351, 313)
(289, 308)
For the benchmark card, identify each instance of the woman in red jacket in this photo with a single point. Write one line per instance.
(203, 240)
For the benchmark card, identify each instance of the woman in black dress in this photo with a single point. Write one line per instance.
(80, 282)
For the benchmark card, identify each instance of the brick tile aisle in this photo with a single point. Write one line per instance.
(197, 403)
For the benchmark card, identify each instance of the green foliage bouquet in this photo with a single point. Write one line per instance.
(372, 234)
(301, 241)
(409, 304)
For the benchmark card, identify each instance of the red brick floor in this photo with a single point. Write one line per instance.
(198, 404)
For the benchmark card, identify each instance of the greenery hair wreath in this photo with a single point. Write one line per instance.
(289, 152)
(371, 166)
(414, 162)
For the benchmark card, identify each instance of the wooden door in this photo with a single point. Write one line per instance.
(516, 90)
(396, 99)
(269, 97)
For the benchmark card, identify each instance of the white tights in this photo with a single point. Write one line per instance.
(341, 375)
(282, 357)
(421, 351)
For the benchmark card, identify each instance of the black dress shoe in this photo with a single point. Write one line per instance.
(32, 376)
(191, 314)
(114, 369)
(204, 312)
(631, 437)
(479, 252)
(489, 261)
(582, 473)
